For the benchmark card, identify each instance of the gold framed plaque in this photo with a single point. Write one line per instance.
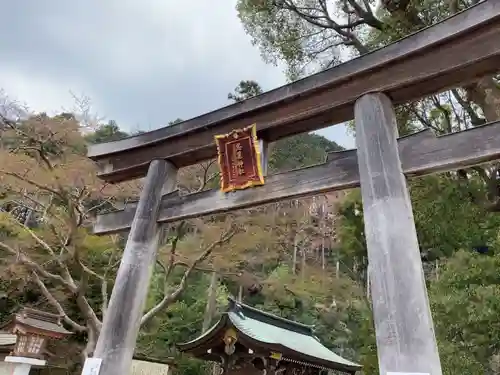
(239, 159)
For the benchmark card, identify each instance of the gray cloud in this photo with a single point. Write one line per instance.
(143, 63)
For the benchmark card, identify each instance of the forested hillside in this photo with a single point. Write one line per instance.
(50, 196)
(303, 260)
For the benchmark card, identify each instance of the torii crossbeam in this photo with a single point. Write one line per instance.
(457, 51)
(421, 154)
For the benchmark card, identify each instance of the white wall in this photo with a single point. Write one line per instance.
(6, 368)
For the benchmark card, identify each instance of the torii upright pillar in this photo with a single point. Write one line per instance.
(117, 340)
(406, 342)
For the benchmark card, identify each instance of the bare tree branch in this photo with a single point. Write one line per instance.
(173, 248)
(91, 343)
(426, 122)
(33, 183)
(366, 15)
(97, 206)
(104, 282)
(74, 325)
(33, 266)
(466, 105)
(64, 269)
(324, 21)
(89, 271)
(88, 312)
(205, 179)
(169, 298)
(444, 111)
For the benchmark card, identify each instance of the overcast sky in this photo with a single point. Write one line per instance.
(142, 62)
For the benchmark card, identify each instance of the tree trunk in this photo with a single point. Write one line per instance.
(323, 265)
(240, 293)
(303, 265)
(294, 260)
(211, 302)
(486, 94)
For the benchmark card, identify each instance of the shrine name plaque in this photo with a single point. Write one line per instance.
(239, 159)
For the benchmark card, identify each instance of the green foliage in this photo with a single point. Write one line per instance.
(300, 151)
(446, 214)
(176, 121)
(106, 133)
(351, 229)
(181, 322)
(335, 307)
(456, 361)
(448, 217)
(466, 305)
(245, 90)
(276, 31)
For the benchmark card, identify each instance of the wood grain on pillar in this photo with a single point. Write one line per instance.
(120, 328)
(406, 341)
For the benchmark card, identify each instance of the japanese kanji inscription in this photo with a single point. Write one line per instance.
(239, 159)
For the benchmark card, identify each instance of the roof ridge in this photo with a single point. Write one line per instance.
(40, 315)
(255, 313)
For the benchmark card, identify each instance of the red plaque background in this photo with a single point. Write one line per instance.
(239, 159)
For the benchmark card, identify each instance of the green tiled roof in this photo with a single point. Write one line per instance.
(298, 342)
(294, 338)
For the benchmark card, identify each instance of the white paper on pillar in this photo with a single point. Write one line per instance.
(92, 366)
(408, 373)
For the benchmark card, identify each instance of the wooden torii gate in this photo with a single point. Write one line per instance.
(459, 50)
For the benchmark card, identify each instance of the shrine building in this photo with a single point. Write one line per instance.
(248, 341)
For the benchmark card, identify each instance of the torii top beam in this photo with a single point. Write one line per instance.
(457, 50)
